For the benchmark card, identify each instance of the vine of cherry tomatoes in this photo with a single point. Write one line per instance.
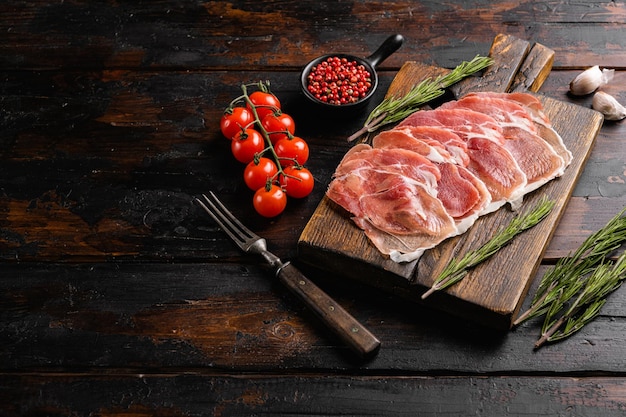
(263, 138)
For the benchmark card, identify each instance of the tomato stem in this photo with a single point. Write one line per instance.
(257, 120)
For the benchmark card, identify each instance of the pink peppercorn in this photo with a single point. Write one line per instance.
(339, 81)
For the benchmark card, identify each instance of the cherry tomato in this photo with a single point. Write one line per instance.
(297, 181)
(234, 120)
(269, 201)
(258, 172)
(292, 149)
(279, 124)
(246, 144)
(265, 103)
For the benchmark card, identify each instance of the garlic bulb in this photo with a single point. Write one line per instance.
(590, 80)
(608, 106)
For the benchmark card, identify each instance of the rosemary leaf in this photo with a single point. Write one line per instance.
(456, 270)
(590, 297)
(568, 271)
(394, 109)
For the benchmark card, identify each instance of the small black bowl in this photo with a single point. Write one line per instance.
(388, 47)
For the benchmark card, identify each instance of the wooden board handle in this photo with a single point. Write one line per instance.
(346, 327)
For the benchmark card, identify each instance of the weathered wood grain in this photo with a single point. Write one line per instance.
(118, 297)
(313, 395)
(509, 54)
(534, 70)
(222, 317)
(250, 35)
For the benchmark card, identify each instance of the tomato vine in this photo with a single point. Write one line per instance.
(258, 114)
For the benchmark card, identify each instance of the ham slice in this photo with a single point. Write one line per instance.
(541, 121)
(467, 124)
(463, 195)
(433, 175)
(431, 149)
(535, 157)
(400, 248)
(455, 146)
(394, 190)
(489, 159)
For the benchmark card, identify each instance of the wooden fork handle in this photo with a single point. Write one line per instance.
(336, 318)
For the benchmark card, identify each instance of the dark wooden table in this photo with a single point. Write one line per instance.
(118, 296)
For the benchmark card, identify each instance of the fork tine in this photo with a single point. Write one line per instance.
(212, 211)
(225, 219)
(247, 233)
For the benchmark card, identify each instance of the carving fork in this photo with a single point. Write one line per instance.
(346, 327)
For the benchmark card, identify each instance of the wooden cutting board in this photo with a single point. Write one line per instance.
(493, 292)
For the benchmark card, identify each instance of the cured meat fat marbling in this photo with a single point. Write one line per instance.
(434, 174)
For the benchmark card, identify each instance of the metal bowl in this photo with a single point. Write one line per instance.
(388, 47)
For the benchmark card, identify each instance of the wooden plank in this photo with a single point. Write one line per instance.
(495, 296)
(230, 317)
(198, 393)
(207, 36)
(534, 70)
(508, 54)
(411, 74)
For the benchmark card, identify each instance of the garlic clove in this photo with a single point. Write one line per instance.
(608, 106)
(590, 80)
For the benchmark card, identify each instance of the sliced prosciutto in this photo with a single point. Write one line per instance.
(535, 157)
(455, 146)
(401, 248)
(363, 158)
(467, 124)
(433, 175)
(541, 121)
(391, 189)
(432, 149)
(489, 160)
(463, 195)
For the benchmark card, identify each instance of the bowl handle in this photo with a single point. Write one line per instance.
(391, 45)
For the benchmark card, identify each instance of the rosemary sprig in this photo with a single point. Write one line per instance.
(394, 109)
(568, 272)
(572, 293)
(602, 281)
(456, 270)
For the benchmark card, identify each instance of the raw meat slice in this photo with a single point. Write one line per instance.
(530, 102)
(547, 132)
(461, 193)
(394, 190)
(541, 121)
(534, 155)
(495, 166)
(401, 248)
(400, 207)
(455, 146)
(504, 112)
(465, 123)
(399, 138)
(411, 246)
(489, 160)
(398, 161)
